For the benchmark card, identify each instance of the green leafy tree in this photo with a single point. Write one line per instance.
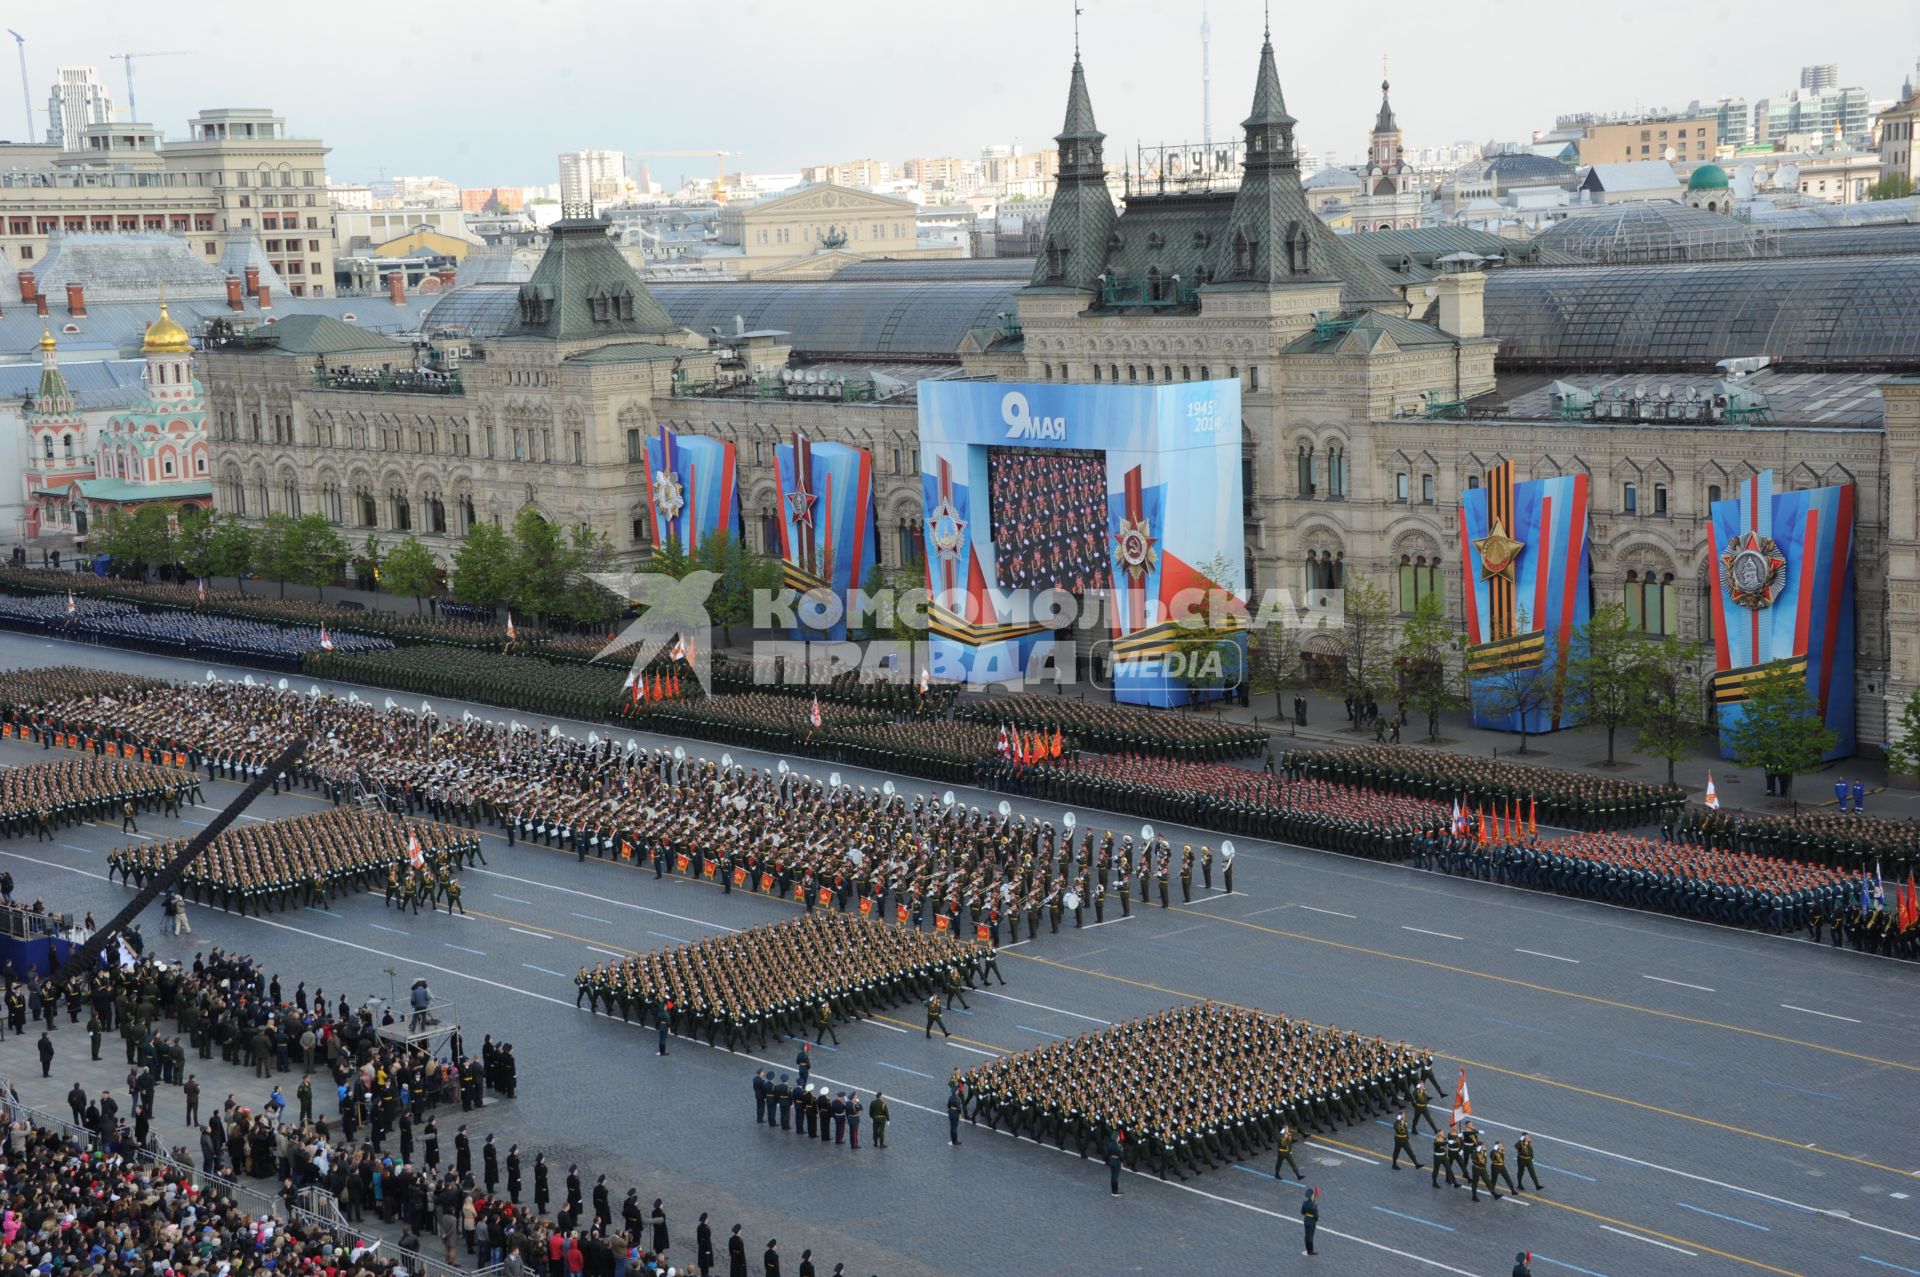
(1520, 693)
(483, 568)
(1778, 728)
(269, 550)
(141, 535)
(545, 564)
(313, 553)
(1428, 657)
(1894, 186)
(1369, 636)
(196, 533)
(742, 573)
(1274, 664)
(670, 559)
(371, 559)
(1669, 714)
(411, 570)
(229, 549)
(1903, 751)
(589, 601)
(1601, 668)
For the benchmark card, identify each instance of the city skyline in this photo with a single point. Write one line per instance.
(490, 108)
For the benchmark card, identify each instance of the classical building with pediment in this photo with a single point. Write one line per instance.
(812, 232)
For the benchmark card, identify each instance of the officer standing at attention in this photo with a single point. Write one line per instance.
(759, 1097)
(1309, 1218)
(953, 1116)
(1520, 1268)
(878, 1112)
(1113, 1156)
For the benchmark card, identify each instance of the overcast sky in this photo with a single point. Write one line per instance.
(487, 92)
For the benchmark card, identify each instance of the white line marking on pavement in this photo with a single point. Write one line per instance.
(976, 1050)
(1269, 909)
(1682, 983)
(1126, 917)
(1041, 1006)
(1608, 1228)
(377, 927)
(478, 953)
(1180, 931)
(588, 895)
(542, 970)
(88, 851)
(538, 935)
(1703, 1179)
(1444, 935)
(605, 922)
(516, 899)
(1810, 1011)
(891, 1028)
(610, 953)
(1205, 900)
(1535, 953)
(1335, 912)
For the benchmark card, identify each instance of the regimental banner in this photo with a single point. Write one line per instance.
(1780, 566)
(691, 489)
(1527, 571)
(827, 534)
(1120, 493)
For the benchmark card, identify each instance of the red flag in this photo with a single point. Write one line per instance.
(900, 913)
(866, 906)
(1480, 827)
(1058, 743)
(626, 850)
(1533, 813)
(1002, 747)
(941, 922)
(813, 714)
(676, 684)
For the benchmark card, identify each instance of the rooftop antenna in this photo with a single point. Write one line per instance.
(26, 97)
(1206, 79)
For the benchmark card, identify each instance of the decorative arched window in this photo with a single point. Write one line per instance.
(1419, 578)
(1650, 600)
(1305, 464)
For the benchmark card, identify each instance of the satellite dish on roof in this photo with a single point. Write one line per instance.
(1666, 391)
(1640, 390)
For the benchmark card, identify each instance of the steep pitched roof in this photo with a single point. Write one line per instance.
(583, 288)
(1082, 216)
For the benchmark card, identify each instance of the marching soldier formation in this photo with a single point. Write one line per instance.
(1122, 729)
(1194, 1087)
(1841, 840)
(784, 979)
(1313, 813)
(1569, 799)
(308, 860)
(1698, 882)
(43, 797)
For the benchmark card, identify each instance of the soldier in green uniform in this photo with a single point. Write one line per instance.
(1420, 1100)
(933, 1017)
(1445, 1150)
(1283, 1154)
(1478, 1174)
(1523, 1150)
(1497, 1170)
(1402, 1142)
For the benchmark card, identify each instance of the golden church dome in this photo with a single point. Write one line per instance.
(46, 339)
(164, 337)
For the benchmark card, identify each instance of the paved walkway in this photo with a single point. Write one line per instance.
(1575, 749)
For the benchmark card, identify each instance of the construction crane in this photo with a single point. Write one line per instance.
(719, 167)
(132, 112)
(26, 97)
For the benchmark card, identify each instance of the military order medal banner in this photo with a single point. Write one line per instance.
(691, 490)
(1527, 590)
(1781, 570)
(826, 521)
(1126, 492)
